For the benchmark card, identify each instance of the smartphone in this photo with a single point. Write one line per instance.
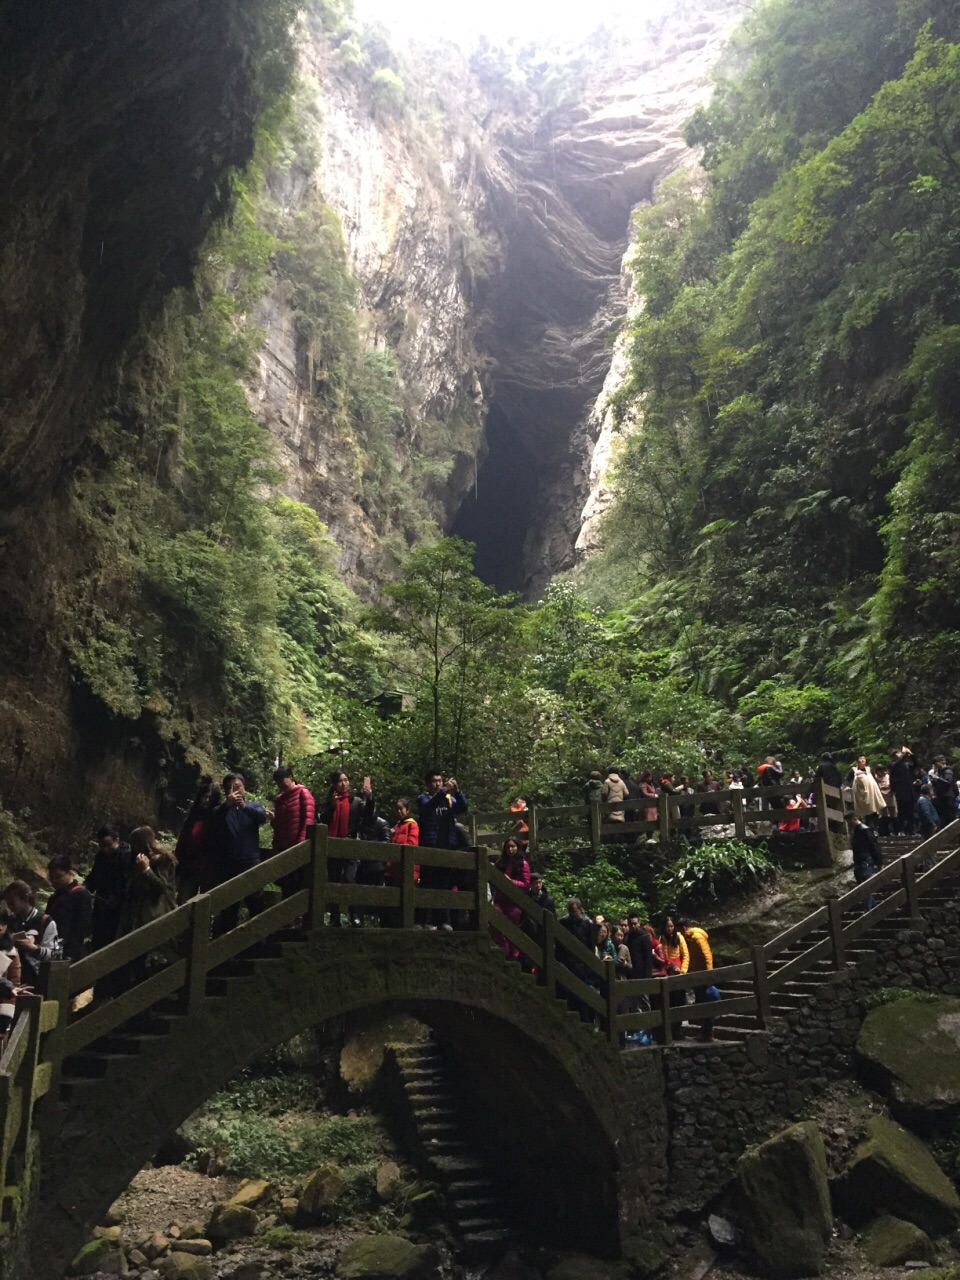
(366, 781)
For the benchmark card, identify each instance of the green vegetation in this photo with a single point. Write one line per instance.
(708, 873)
(283, 1237)
(789, 503)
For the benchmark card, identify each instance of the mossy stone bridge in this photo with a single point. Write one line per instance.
(87, 1098)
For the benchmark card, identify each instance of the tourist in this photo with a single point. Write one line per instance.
(640, 948)
(437, 809)
(580, 927)
(34, 933)
(539, 896)
(343, 812)
(605, 948)
(888, 814)
(538, 893)
(868, 802)
(107, 882)
(515, 867)
(928, 818)
(944, 784)
(621, 958)
(521, 828)
(706, 787)
(152, 884)
(193, 874)
(615, 792)
(10, 972)
(648, 793)
(294, 811)
(593, 788)
(828, 772)
(901, 784)
(867, 857)
(232, 845)
(701, 960)
(70, 906)
(676, 954)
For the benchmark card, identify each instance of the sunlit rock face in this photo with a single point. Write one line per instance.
(568, 182)
(487, 229)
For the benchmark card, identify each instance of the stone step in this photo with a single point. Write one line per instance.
(92, 1066)
(467, 1186)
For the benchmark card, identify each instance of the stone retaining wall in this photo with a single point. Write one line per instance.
(721, 1101)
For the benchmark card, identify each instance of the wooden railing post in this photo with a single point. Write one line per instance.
(55, 985)
(908, 869)
(666, 1009)
(319, 873)
(761, 982)
(198, 944)
(663, 806)
(549, 953)
(835, 918)
(482, 878)
(739, 817)
(613, 1033)
(472, 827)
(32, 1006)
(596, 839)
(825, 836)
(533, 830)
(408, 886)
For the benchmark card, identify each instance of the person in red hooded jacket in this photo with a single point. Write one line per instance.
(294, 811)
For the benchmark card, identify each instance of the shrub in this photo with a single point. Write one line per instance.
(709, 872)
(601, 887)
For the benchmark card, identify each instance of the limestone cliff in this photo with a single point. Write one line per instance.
(486, 220)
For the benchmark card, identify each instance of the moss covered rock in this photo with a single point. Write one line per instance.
(893, 1172)
(184, 1266)
(99, 1255)
(784, 1200)
(231, 1222)
(253, 1192)
(889, 1242)
(386, 1258)
(910, 1050)
(321, 1191)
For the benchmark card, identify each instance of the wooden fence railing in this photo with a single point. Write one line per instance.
(172, 957)
(747, 811)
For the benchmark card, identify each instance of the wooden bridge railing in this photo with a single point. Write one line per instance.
(172, 957)
(743, 809)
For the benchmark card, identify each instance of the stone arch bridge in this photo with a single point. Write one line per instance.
(87, 1098)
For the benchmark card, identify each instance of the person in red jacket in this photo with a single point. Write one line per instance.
(406, 831)
(293, 811)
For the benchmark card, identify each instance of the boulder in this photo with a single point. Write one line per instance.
(199, 1247)
(99, 1255)
(386, 1257)
(784, 1202)
(154, 1245)
(910, 1051)
(231, 1222)
(114, 1215)
(388, 1175)
(893, 1172)
(184, 1266)
(107, 1233)
(252, 1192)
(579, 1266)
(890, 1242)
(321, 1190)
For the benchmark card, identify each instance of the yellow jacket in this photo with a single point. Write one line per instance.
(698, 943)
(678, 953)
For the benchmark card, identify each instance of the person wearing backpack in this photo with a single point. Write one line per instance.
(34, 933)
(70, 906)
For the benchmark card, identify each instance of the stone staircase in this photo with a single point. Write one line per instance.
(86, 1070)
(808, 985)
(470, 1185)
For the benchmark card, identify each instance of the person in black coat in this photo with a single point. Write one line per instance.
(581, 927)
(867, 857)
(902, 772)
(344, 812)
(107, 882)
(70, 906)
(538, 894)
(828, 771)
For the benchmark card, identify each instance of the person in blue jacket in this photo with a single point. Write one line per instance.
(232, 845)
(437, 811)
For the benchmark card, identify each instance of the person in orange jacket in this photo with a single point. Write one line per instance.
(701, 959)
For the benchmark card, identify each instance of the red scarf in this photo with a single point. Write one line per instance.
(340, 819)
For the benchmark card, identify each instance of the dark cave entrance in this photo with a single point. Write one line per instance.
(496, 515)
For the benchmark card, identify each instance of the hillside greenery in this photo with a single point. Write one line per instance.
(787, 512)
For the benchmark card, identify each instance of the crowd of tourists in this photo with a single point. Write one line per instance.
(137, 880)
(903, 796)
